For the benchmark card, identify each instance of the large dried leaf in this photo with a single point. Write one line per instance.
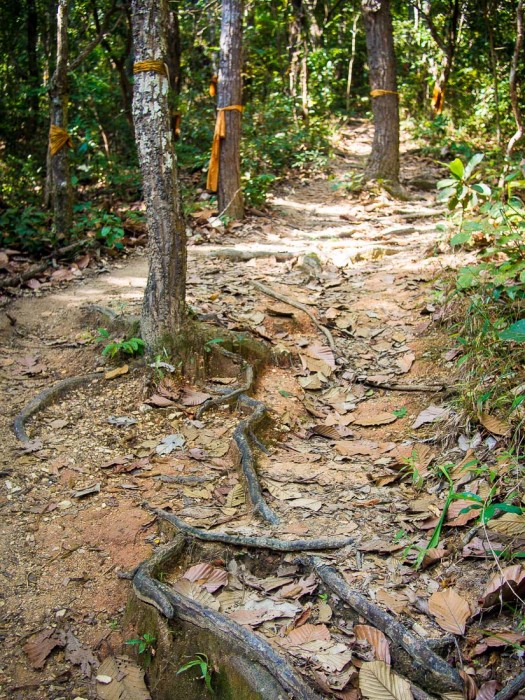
(80, 655)
(334, 659)
(376, 639)
(373, 418)
(323, 353)
(488, 690)
(194, 398)
(127, 680)
(305, 634)
(192, 590)
(419, 454)
(504, 586)
(255, 612)
(510, 524)
(455, 518)
(430, 415)
(304, 586)
(450, 610)
(494, 425)
(159, 401)
(207, 576)
(39, 646)
(377, 681)
(501, 639)
(394, 603)
(236, 497)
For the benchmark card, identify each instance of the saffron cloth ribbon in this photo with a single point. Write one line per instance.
(212, 182)
(58, 138)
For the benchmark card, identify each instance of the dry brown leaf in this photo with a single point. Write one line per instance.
(159, 401)
(194, 398)
(236, 497)
(324, 612)
(455, 518)
(192, 590)
(395, 604)
(510, 524)
(327, 431)
(494, 425)
(377, 545)
(348, 448)
(450, 610)
(256, 612)
(501, 639)
(323, 353)
(419, 454)
(376, 639)
(488, 690)
(209, 577)
(430, 415)
(432, 556)
(305, 634)
(39, 646)
(504, 586)
(117, 372)
(304, 586)
(127, 680)
(374, 418)
(377, 681)
(405, 362)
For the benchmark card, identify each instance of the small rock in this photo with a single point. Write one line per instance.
(63, 505)
(61, 613)
(104, 679)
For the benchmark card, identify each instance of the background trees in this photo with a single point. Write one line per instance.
(296, 56)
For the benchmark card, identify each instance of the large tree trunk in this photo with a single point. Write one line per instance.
(164, 309)
(230, 93)
(383, 163)
(61, 194)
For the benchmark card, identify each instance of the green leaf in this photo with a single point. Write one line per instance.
(482, 189)
(456, 168)
(460, 238)
(473, 162)
(515, 332)
(447, 182)
(505, 507)
(286, 394)
(400, 412)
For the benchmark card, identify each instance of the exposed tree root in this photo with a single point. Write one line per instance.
(243, 255)
(257, 542)
(512, 688)
(402, 387)
(426, 668)
(173, 605)
(230, 394)
(44, 399)
(291, 302)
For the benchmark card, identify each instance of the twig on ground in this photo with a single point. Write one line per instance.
(291, 302)
(14, 280)
(388, 386)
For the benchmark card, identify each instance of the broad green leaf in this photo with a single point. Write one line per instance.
(447, 182)
(482, 189)
(460, 238)
(515, 332)
(446, 194)
(456, 168)
(475, 160)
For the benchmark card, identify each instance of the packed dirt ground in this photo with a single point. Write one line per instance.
(72, 502)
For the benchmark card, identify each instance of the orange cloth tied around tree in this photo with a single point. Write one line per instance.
(378, 93)
(58, 138)
(155, 66)
(212, 182)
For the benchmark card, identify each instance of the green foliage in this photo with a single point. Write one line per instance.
(131, 346)
(27, 228)
(202, 663)
(145, 646)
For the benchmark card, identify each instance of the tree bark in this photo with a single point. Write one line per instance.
(164, 308)
(32, 65)
(230, 93)
(61, 193)
(383, 163)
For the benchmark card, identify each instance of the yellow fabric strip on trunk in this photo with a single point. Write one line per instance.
(156, 66)
(58, 138)
(212, 182)
(378, 93)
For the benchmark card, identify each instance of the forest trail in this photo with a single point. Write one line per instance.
(364, 263)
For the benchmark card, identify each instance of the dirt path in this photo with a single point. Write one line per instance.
(363, 263)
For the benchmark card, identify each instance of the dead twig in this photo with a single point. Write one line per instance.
(291, 302)
(402, 387)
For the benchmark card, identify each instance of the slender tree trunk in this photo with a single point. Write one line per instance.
(32, 65)
(513, 89)
(383, 163)
(173, 56)
(351, 61)
(489, 18)
(61, 193)
(230, 93)
(164, 308)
